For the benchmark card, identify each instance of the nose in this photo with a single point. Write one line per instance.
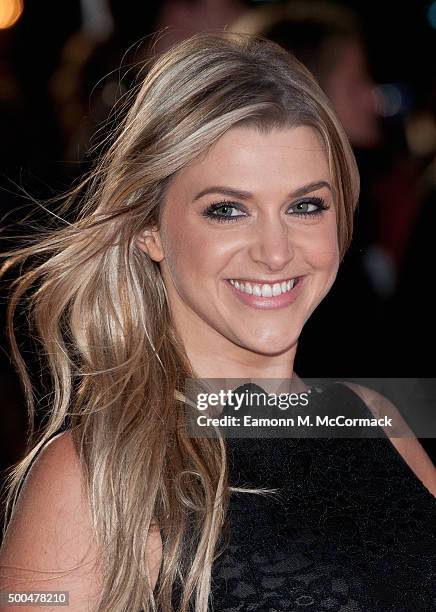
(272, 246)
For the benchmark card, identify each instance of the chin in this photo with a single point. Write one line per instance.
(271, 346)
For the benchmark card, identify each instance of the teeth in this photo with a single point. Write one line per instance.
(277, 289)
(265, 290)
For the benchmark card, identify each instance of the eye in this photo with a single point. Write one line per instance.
(224, 206)
(305, 208)
(309, 207)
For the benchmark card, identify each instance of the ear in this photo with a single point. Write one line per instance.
(149, 242)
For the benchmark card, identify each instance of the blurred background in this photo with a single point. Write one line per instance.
(64, 65)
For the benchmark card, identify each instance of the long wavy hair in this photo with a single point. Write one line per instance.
(99, 309)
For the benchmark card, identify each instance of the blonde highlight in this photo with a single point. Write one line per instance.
(116, 363)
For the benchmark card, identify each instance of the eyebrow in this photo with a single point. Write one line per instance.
(246, 195)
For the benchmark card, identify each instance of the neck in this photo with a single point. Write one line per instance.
(272, 372)
(241, 364)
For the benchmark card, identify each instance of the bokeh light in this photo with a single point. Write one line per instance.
(389, 99)
(420, 131)
(431, 15)
(10, 12)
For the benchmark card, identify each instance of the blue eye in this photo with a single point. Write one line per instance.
(305, 208)
(210, 211)
(313, 206)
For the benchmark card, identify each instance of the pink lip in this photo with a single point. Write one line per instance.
(268, 303)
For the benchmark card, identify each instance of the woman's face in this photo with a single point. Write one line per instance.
(260, 184)
(352, 92)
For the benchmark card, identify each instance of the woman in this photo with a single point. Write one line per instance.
(229, 167)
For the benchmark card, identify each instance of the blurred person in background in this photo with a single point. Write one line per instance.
(327, 38)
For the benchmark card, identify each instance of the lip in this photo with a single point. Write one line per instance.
(267, 281)
(268, 303)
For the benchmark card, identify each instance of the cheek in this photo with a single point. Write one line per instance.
(329, 260)
(189, 254)
(322, 251)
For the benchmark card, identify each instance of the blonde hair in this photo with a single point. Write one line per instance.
(102, 318)
(313, 31)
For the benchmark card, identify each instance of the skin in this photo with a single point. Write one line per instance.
(222, 336)
(351, 90)
(268, 242)
(184, 17)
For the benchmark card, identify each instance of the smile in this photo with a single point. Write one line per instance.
(265, 289)
(266, 296)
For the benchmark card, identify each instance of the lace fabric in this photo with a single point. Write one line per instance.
(352, 529)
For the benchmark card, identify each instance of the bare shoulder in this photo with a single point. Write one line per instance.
(408, 447)
(49, 543)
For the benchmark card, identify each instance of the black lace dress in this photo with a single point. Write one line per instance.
(352, 530)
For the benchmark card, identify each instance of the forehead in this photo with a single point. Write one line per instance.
(286, 156)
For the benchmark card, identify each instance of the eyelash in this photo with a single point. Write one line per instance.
(320, 202)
